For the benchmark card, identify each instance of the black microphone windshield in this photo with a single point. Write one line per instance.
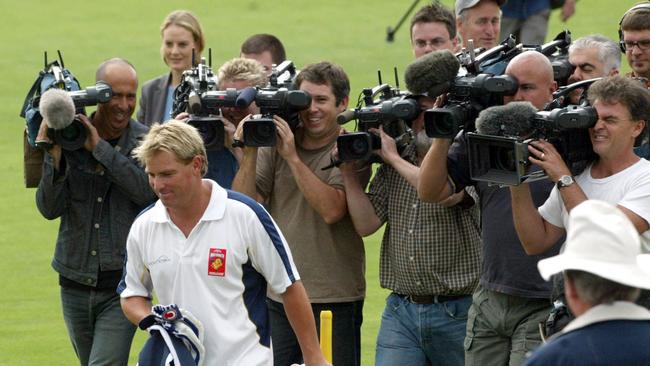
(513, 119)
(57, 108)
(432, 74)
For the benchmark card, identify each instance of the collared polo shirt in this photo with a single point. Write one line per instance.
(219, 272)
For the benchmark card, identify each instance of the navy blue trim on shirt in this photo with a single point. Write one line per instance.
(255, 301)
(269, 226)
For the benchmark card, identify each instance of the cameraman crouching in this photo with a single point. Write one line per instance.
(97, 191)
(618, 176)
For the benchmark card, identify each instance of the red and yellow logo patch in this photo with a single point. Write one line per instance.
(217, 262)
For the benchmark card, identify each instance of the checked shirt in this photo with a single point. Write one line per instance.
(427, 249)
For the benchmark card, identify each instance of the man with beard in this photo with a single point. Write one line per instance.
(430, 255)
(96, 191)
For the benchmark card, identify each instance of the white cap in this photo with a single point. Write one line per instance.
(466, 4)
(600, 240)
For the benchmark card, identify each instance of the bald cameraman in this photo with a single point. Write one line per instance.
(512, 298)
(96, 191)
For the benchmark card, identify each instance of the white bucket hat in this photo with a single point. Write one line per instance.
(600, 240)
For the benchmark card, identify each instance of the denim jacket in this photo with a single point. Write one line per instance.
(97, 196)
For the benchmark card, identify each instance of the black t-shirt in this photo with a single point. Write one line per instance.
(506, 266)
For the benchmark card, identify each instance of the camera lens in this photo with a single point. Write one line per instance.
(359, 147)
(72, 132)
(211, 131)
(206, 131)
(504, 159)
(260, 132)
(265, 131)
(72, 137)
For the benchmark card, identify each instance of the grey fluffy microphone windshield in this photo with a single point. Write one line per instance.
(57, 108)
(512, 119)
(432, 74)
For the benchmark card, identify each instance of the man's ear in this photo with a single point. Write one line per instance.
(638, 128)
(343, 104)
(197, 163)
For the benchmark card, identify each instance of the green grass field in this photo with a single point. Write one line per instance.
(350, 33)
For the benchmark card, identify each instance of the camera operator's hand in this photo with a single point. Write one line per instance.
(286, 144)
(183, 117)
(93, 136)
(238, 135)
(388, 151)
(229, 128)
(544, 154)
(51, 147)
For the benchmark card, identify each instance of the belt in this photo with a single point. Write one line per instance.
(431, 299)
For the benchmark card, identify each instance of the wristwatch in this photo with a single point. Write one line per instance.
(565, 181)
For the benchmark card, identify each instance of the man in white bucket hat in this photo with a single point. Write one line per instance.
(602, 280)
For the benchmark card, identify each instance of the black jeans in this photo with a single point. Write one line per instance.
(346, 333)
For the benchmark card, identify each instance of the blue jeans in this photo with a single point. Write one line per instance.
(417, 334)
(346, 333)
(98, 329)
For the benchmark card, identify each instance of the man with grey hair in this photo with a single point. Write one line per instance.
(212, 252)
(479, 20)
(593, 56)
(602, 280)
(96, 191)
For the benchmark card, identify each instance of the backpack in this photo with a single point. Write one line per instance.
(53, 75)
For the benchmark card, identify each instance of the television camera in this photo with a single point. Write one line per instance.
(482, 83)
(385, 107)
(498, 152)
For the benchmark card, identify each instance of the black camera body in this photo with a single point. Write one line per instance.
(211, 129)
(483, 83)
(392, 111)
(468, 95)
(261, 131)
(503, 160)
